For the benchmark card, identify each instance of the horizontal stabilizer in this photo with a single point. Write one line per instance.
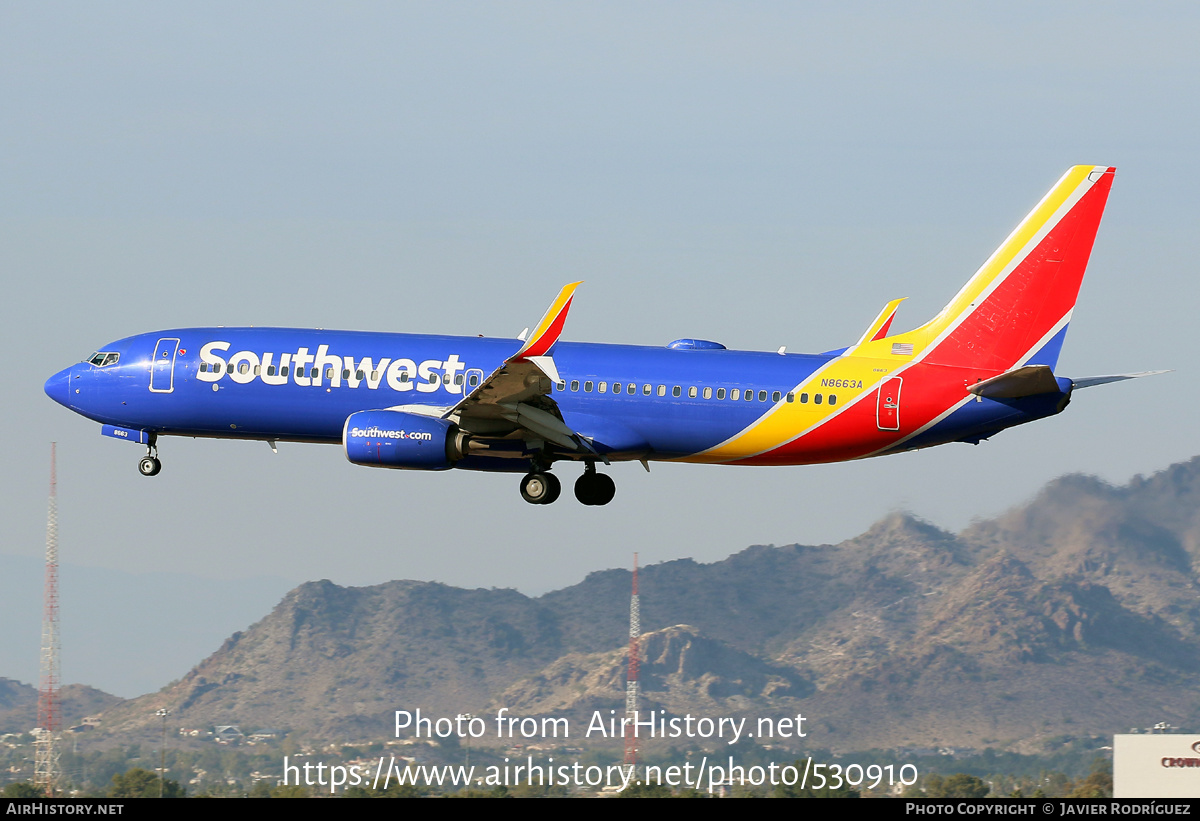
(1030, 380)
(1092, 381)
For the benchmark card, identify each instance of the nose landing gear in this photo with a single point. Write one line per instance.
(149, 465)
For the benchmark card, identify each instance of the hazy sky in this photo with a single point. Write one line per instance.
(760, 174)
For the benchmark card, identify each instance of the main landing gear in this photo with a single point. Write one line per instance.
(594, 488)
(149, 465)
(542, 487)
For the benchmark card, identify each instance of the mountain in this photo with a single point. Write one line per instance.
(19, 705)
(1075, 613)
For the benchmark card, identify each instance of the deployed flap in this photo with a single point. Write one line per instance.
(546, 425)
(1092, 381)
(1027, 381)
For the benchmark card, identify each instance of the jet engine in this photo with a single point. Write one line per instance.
(395, 439)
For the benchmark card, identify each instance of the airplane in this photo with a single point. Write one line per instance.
(425, 402)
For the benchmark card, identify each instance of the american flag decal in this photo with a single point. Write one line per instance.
(902, 348)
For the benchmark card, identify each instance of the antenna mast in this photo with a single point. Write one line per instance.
(46, 771)
(631, 680)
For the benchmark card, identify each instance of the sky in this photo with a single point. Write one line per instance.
(764, 175)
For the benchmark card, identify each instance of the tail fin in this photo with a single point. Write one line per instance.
(1015, 310)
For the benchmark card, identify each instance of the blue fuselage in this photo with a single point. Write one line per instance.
(631, 402)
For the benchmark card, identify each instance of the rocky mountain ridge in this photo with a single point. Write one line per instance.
(1075, 613)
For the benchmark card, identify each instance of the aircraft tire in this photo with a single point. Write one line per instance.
(595, 489)
(149, 466)
(540, 488)
(555, 488)
(606, 489)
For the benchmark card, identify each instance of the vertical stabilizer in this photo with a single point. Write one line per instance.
(1015, 310)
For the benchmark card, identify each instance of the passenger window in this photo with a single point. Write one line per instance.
(474, 380)
(791, 396)
(574, 384)
(708, 393)
(445, 378)
(735, 394)
(748, 396)
(804, 399)
(203, 367)
(587, 386)
(346, 374)
(602, 387)
(692, 392)
(631, 388)
(244, 367)
(315, 372)
(360, 374)
(616, 387)
(329, 373)
(646, 390)
(762, 396)
(775, 397)
(375, 377)
(720, 393)
(561, 386)
(816, 399)
(433, 379)
(662, 390)
(676, 391)
(833, 398)
(270, 370)
(284, 370)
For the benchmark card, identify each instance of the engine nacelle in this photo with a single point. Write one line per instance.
(395, 439)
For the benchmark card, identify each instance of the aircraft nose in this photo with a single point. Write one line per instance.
(58, 387)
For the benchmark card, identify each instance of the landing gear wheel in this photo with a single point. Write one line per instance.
(149, 465)
(555, 489)
(595, 488)
(540, 488)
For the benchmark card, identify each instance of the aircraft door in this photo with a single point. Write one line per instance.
(162, 369)
(887, 411)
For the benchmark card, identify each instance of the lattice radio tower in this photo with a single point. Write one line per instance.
(631, 680)
(46, 769)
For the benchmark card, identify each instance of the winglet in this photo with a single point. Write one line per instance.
(546, 333)
(878, 328)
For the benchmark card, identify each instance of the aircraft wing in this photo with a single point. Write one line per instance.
(517, 394)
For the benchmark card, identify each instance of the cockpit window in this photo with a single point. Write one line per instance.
(102, 359)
